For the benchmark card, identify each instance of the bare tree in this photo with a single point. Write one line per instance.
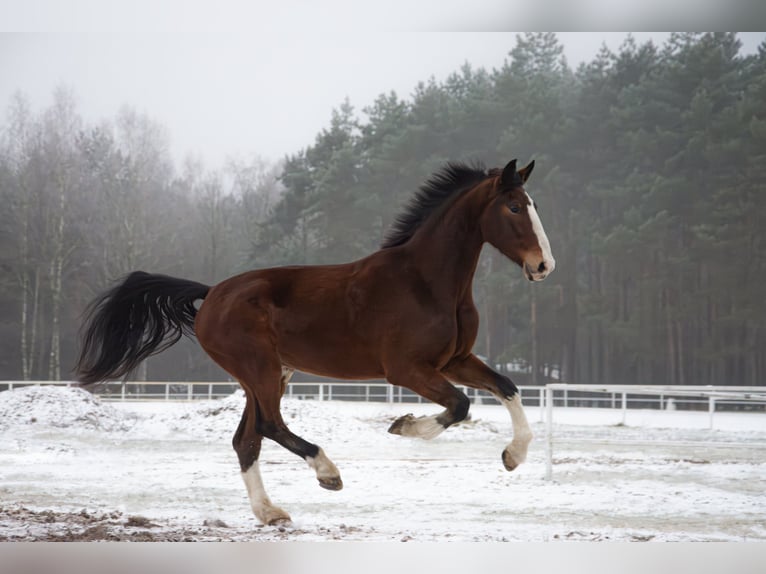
(61, 127)
(17, 156)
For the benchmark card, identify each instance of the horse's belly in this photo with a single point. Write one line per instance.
(330, 353)
(332, 363)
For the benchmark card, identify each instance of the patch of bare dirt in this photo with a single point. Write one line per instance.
(21, 524)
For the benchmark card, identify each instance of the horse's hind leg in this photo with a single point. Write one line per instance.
(261, 374)
(247, 444)
(271, 424)
(327, 473)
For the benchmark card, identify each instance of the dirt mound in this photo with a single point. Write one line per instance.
(59, 407)
(206, 420)
(227, 406)
(21, 524)
(218, 419)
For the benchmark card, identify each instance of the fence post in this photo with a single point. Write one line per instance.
(167, 391)
(190, 391)
(209, 391)
(548, 433)
(711, 410)
(321, 391)
(122, 391)
(624, 406)
(541, 402)
(329, 391)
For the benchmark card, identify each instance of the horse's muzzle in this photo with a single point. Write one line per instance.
(541, 271)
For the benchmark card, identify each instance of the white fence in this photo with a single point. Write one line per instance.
(749, 398)
(316, 390)
(622, 397)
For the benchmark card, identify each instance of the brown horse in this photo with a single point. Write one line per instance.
(404, 313)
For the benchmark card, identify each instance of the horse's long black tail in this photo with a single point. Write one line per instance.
(141, 316)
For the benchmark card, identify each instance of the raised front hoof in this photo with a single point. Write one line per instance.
(398, 426)
(509, 462)
(332, 483)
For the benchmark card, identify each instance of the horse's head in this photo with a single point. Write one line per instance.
(511, 224)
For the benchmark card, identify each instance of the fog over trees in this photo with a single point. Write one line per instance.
(650, 179)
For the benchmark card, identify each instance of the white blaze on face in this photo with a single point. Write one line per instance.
(542, 238)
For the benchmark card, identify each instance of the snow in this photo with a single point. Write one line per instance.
(58, 407)
(75, 468)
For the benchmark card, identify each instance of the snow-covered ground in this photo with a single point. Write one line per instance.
(75, 468)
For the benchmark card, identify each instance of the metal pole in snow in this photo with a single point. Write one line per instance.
(624, 406)
(711, 410)
(548, 433)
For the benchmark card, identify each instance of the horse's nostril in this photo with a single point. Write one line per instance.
(541, 267)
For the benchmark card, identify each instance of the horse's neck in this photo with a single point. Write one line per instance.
(447, 252)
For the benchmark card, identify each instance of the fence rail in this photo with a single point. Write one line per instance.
(622, 397)
(314, 390)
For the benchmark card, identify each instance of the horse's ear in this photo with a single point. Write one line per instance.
(524, 172)
(509, 173)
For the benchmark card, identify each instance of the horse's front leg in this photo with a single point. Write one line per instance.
(471, 372)
(432, 385)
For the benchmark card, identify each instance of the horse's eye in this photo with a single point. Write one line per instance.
(515, 208)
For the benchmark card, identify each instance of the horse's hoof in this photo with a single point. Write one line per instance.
(333, 483)
(398, 425)
(273, 516)
(508, 461)
(284, 521)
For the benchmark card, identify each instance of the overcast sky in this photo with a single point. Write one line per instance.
(268, 92)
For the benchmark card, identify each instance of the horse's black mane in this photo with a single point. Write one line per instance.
(449, 182)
